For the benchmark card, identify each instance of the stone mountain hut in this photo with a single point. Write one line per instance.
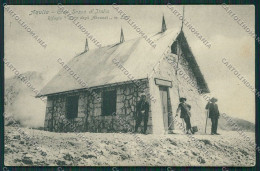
(97, 91)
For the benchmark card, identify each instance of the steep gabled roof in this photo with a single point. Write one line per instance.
(96, 67)
(193, 63)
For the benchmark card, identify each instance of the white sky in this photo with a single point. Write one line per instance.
(64, 40)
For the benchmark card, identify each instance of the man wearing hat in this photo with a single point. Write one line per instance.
(142, 112)
(213, 115)
(185, 114)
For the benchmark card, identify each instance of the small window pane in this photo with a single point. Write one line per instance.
(72, 107)
(109, 103)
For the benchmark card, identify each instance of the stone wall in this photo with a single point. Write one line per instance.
(55, 118)
(89, 111)
(123, 120)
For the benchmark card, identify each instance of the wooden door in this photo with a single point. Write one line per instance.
(164, 99)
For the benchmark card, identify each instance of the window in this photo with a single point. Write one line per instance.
(72, 107)
(109, 103)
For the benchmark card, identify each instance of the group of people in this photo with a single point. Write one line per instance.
(142, 114)
(212, 112)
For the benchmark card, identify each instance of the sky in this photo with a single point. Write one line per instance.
(64, 40)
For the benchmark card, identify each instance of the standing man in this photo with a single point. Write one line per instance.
(213, 115)
(142, 113)
(185, 114)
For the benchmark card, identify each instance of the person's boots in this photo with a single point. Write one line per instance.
(136, 130)
(212, 132)
(189, 132)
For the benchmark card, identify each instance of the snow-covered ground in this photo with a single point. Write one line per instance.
(25, 147)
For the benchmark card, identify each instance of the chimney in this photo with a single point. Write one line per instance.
(122, 39)
(86, 46)
(163, 25)
(182, 18)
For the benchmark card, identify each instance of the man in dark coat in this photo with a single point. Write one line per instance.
(142, 113)
(213, 115)
(185, 114)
